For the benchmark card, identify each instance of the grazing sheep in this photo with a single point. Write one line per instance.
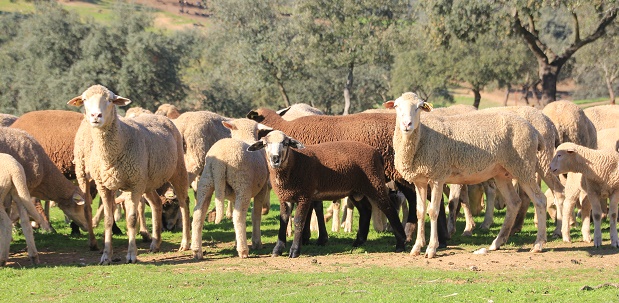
(599, 169)
(137, 155)
(298, 110)
(168, 110)
(326, 171)
(7, 120)
(13, 188)
(136, 111)
(373, 129)
(603, 116)
(43, 178)
(232, 172)
(473, 148)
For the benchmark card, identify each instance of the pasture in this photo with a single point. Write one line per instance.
(371, 273)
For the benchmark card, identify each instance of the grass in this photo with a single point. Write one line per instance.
(233, 280)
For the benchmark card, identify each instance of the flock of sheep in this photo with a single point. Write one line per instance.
(306, 158)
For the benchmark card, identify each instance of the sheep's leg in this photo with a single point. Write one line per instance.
(156, 208)
(313, 222)
(490, 191)
(433, 212)
(594, 199)
(468, 214)
(256, 216)
(388, 207)
(220, 196)
(571, 196)
(239, 215)
(107, 198)
(522, 212)
(181, 185)
(347, 216)
(98, 216)
(323, 237)
(377, 219)
(142, 219)
(455, 191)
(539, 202)
(335, 224)
(200, 211)
(612, 214)
(307, 233)
(512, 202)
(300, 216)
(411, 220)
(289, 225)
(405, 211)
(33, 254)
(421, 188)
(585, 214)
(284, 217)
(85, 186)
(5, 236)
(131, 204)
(365, 214)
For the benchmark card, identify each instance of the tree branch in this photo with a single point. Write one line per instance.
(532, 41)
(576, 28)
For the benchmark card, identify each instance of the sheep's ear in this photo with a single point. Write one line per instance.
(283, 111)
(77, 101)
(426, 106)
(78, 199)
(263, 130)
(295, 144)
(229, 125)
(255, 116)
(121, 101)
(256, 146)
(389, 104)
(570, 150)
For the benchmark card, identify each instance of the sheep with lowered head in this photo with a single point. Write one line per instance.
(13, 188)
(328, 171)
(473, 148)
(137, 155)
(599, 169)
(43, 178)
(232, 172)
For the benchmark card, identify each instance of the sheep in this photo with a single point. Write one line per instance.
(137, 155)
(232, 172)
(298, 110)
(599, 169)
(43, 178)
(473, 148)
(607, 139)
(136, 111)
(603, 116)
(373, 129)
(168, 110)
(571, 122)
(328, 171)
(7, 120)
(13, 188)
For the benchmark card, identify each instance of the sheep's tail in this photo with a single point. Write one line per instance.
(219, 183)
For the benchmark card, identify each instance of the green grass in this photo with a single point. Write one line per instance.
(230, 281)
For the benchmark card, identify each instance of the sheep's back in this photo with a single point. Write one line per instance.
(242, 167)
(28, 152)
(6, 119)
(55, 131)
(603, 116)
(571, 123)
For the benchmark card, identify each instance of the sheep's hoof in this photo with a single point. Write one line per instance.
(586, 238)
(322, 241)
(493, 247)
(153, 248)
(556, 234)
(34, 259)
(294, 253)
(400, 248)
(197, 254)
(537, 248)
(244, 254)
(116, 230)
(358, 242)
(614, 243)
(416, 251)
(467, 233)
(430, 253)
(277, 250)
(3, 263)
(145, 236)
(265, 211)
(211, 216)
(409, 230)
(129, 261)
(105, 260)
(94, 247)
(597, 242)
(567, 239)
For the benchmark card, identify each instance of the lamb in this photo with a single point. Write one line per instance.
(6, 119)
(43, 178)
(137, 155)
(232, 172)
(13, 188)
(373, 129)
(168, 110)
(599, 169)
(327, 171)
(607, 139)
(473, 148)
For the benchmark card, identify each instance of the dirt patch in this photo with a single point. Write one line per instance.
(556, 255)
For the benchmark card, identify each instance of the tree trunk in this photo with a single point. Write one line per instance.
(549, 73)
(282, 91)
(348, 87)
(525, 94)
(477, 97)
(507, 95)
(611, 92)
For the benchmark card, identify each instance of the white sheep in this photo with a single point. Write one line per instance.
(232, 172)
(599, 168)
(603, 116)
(13, 188)
(298, 110)
(466, 149)
(6, 119)
(136, 111)
(168, 110)
(137, 155)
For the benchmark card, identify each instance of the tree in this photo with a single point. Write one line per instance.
(346, 34)
(601, 57)
(465, 20)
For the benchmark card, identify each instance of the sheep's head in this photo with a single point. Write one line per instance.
(168, 110)
(99, 104)
(246, 130)
(276, 145)
(74, 209)
(563, 158)
(408, 109)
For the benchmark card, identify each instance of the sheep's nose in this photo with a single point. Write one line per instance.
(406, 124)
(275, 159)
(96, 115)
